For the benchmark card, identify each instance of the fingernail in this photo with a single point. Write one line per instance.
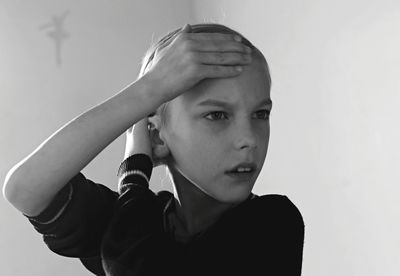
(238, 38)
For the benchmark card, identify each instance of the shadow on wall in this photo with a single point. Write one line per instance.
(57, 33)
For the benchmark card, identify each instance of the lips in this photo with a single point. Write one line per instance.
(251, 165)
(241, 176)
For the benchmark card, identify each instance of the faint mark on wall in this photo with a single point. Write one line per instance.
(57, 33)
(223, 16)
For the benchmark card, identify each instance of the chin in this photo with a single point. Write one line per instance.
(234, 197)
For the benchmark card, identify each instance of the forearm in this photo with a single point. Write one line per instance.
(138, 141)
(31, 184)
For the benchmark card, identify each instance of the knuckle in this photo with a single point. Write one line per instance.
(220, 57)
(217, 69)
(230, 70)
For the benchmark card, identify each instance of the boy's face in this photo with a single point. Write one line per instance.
(205, 146)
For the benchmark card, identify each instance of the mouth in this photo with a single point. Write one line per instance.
(241, 176)
(243, 171)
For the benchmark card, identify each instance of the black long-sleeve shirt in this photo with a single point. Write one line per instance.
(129, 232)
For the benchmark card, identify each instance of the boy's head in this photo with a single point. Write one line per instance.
(200, 142)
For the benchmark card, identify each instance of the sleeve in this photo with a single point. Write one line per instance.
(135, 242)
(74, 222)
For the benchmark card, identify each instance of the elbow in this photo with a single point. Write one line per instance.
(16, 195)
(8, 187)
(6, 192)
(13, 196)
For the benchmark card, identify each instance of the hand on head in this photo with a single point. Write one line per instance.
(191, 57)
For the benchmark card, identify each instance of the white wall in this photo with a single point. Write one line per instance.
(335, 123)
(38, 96)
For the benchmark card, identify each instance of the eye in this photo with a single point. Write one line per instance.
(213, 113)
(265, 113)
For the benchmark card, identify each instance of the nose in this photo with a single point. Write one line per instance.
(245, 135)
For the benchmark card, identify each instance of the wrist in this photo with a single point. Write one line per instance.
(138, 141)
(150, 91)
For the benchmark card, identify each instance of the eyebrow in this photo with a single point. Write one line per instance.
(212, 102)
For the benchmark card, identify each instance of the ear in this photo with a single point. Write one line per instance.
(160, 149)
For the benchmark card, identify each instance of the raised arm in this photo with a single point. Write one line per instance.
(32, 183)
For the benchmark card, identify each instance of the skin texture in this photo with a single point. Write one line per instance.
(203, 146)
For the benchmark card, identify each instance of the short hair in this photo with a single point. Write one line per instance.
(195, 28)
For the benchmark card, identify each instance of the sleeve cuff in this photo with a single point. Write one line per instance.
(56, 207)
(136, 169)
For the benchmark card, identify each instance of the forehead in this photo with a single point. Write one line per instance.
(251, 86)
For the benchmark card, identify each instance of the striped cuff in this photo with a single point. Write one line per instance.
(136, 169)
(55, 208)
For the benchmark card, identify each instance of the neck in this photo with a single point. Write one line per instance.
(195, 209)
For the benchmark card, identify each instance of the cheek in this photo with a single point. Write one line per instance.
(195, 147)
(182, 142)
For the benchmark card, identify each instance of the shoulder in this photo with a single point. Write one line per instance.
(279, 207)
(275, 204)
(271, 211)
(269, 221)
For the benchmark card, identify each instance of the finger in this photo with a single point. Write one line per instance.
(220, 71)
(215, 36)
(221, 46)
(224, 58)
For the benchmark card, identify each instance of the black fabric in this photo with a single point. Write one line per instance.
(261, 236)
(125, 233)
(59, 201)
(135, 242)
(141, 162)
(78, 231)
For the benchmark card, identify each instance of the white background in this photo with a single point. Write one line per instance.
(333, 151)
